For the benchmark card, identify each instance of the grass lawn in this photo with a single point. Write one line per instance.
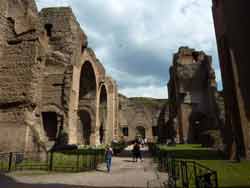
(230, 174)
(84, 159)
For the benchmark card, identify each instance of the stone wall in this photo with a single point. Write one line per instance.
(19, 70)
(194, 99)
(232, 32)
(146, 113)
(43, 57)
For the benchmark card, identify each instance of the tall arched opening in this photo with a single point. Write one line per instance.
(140, 132)
(103, 114)
(50, 125)
(85, 121)
(87, 83)
(87, 102)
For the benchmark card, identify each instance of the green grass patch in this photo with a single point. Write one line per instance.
(230, 174)
(78, 160)
(192, 151)
(83, 159)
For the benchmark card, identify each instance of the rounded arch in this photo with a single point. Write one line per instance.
(140, 131)
(103, 113)
(86, 126)
(52, 120)
(197, 121)
(87, 88)
(87, 75)
(50, 107)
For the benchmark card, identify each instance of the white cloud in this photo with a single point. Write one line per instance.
(149, 91)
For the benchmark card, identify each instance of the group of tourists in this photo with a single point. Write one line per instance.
(136, 152)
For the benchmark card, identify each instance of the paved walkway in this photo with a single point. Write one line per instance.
(124, 173)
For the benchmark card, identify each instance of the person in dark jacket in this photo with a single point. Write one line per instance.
(137, 151)
(108, 156)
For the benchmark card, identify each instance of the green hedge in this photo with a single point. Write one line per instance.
(118, 146)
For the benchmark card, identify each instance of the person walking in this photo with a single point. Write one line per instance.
(137, 152)
(108, 155)
(134, 150)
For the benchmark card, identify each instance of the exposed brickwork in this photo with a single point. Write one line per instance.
(142, 112)
(193, 98)
(232, 32)
(43, 57)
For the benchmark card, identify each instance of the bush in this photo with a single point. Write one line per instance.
(118, 147)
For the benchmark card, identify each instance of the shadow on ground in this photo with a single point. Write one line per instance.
(9, 182)
(128, 154)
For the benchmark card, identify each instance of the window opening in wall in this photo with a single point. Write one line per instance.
(155, 131)
(48, 28)
(50, 124)
(125, 131)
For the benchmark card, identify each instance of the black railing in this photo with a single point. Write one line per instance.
(64, 161)
(184, 173)
(187, 174)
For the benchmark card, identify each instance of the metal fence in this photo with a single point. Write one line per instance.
(187, 174)
(64, 161)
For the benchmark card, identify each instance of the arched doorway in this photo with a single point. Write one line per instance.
(50, 124)
(103, 114)
(197, 125)
(87, 83)
(85, 120)
(140, 132)
(87, 101)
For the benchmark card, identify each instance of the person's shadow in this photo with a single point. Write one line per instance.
(129, 161)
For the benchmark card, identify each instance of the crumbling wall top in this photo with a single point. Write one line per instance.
(23, 13)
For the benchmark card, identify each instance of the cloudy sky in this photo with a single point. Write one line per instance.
(135, 39)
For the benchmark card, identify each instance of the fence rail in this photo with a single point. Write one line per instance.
(184, 173)
(187, 174)
(64, 161)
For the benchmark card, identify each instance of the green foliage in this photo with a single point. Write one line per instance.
(189, 151)
(149, 101)
(230, 174)
(65, 161)
(78, 160)
(118, 146)
(63, 138)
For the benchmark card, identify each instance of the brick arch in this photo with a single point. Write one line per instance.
(52, 120)
(86, 132)
(109, 86)
(78, 99)
(54, 108)
(103, 112)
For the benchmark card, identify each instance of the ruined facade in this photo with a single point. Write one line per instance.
(51, 83)
(232, 29)
(196, 111)
(144, 117)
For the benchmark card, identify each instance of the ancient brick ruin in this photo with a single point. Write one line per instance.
(51, 83)
(144, 117)
(52, 86)
(196, 108)
(232, 27)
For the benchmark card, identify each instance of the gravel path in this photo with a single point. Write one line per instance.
(124, 173)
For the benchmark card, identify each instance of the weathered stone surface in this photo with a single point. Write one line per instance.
(194, 100)
(49, 78)
(232, 29)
